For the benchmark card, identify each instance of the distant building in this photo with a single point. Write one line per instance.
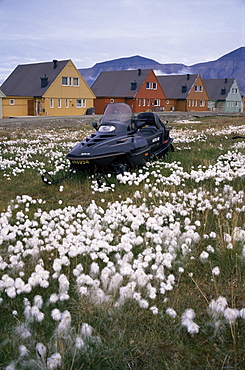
(51, 88)
(1, 103)
(224, 95)
(184, 92)
(138, 88)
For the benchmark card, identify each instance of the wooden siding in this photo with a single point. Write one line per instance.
(65, 97)
(56, 100)
(142, 100)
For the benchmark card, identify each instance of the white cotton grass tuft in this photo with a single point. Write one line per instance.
(41, 352)
(64, 326)
(242, 313)
(171, 312)
(217, 307)
(56, 314)
(154, 310)
(231, 314)
(54, 361)
(23, 351)
(187, 321)
(86, 330)
(216, 271)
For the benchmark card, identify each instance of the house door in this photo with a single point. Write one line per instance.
(30, 107)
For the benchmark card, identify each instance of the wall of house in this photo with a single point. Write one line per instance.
(151, 98)
(101, 102)
(170, 105)
(15, 106)
(69, 99)
(233, 103)
(197, 100)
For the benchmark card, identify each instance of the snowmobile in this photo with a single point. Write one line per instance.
(121, 141)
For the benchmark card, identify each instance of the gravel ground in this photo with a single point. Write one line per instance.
(69, 121)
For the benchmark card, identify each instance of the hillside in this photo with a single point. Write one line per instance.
(231, 65)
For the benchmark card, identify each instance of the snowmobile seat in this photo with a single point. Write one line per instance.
(149, 119)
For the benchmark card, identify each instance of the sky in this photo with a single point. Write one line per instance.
(93, 31)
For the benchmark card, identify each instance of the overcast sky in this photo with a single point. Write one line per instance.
(92, 31)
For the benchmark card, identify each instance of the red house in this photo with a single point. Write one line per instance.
(138, 88)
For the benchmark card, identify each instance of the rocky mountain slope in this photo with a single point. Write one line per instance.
(231, 65)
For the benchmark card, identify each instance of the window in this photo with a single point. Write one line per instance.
(81, 103)
(139, 102)
(167, 101)
(70, 81)
(75, 81)
(51, 103)
(151, 85)
(198, 88)
(59, 103)
(234, 90)
(64, 81)
(67, 103)
(149, 102)
(202, 103)
(112, 101)
(11, 102)
(157, 102)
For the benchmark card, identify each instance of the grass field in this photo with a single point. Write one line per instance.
(147, 274)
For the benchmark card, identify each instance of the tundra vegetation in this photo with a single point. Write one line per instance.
(146, 274)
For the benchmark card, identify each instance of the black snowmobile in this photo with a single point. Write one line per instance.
(121, 141)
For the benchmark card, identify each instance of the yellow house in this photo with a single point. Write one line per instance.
(46, 89)
(1, 98)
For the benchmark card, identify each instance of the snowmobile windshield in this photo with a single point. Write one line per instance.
(117, 117)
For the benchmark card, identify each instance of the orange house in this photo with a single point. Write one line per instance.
(138, 88)
(184, 92)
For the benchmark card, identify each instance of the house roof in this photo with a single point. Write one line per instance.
(118, 83)
(25, 80)
(218, 88)
(172, 85)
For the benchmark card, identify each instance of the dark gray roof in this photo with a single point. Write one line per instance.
(25, 80)
(218, 88)
(172, 85)
(118, 83)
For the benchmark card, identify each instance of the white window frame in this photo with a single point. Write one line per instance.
(51, 103)
(82, 103)
(202, 103)
(59, 103)
(67, 103)
(75, 79)
(156, 102)
(63, 82)
(139, 102)
(79, 103)
(11, 102)
(198, 88)
(151, 85)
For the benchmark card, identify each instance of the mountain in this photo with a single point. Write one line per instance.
(231, 65)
